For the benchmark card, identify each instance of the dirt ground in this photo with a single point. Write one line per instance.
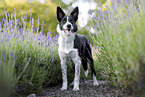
(86, 90)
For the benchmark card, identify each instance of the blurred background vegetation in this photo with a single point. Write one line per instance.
(45, 10)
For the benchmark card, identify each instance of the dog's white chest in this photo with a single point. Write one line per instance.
(66, 44)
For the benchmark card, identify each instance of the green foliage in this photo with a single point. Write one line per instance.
(59, 3)
(45, 12)
(100, 1)
(6, 73)
(120, 39)
(20, 59)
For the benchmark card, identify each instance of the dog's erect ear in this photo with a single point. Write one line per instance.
(74, 14)
(60, 13)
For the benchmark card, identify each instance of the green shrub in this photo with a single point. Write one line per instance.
(27, 57)
(6, 73)
(120, 39)
(45, 12)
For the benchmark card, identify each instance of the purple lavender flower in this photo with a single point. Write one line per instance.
(15, 13)
(14, 58)
(0, 26)
(30, 83)
(5, 13)
(100, 4)
(4, 56)
(32, 22)
(118, 1)
(52, 58)
(2, 41)
(137, 9)
(29, 59)
(90, 12)
(127, 1)
(11, 54)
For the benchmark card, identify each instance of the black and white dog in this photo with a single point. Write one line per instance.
(73, 46)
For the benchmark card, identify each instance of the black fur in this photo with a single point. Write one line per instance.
(60, 14)
(83, 46)
(62, 18)
(74, 14)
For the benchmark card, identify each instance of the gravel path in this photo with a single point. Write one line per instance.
(86, 90)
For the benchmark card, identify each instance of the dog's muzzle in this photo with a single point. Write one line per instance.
(68, 31)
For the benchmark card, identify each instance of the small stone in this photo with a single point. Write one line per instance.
(31, 95)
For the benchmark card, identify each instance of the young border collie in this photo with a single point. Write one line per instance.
(73, 46)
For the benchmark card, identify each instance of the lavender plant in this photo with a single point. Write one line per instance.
(119, 37)
(27, 56)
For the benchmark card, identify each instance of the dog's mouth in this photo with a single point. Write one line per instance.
(68, 31)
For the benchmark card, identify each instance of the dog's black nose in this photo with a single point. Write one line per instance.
(68, 26)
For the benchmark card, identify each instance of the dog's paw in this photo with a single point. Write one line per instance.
(63, 88)
(76, 86)
(76, 89)
(96, 84)
(86, 73)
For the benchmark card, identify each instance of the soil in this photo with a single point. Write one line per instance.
(86, 90)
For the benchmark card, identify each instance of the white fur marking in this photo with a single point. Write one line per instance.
(64, 74)
(95, 80)
(66, 43)
(86, 73)
(77, 76)
(76, 59)
(65, 25)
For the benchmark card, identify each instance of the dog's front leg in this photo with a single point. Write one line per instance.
(77, 63)
(64, 74)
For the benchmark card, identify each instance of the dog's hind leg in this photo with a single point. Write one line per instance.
(91, 62)
(85, 67)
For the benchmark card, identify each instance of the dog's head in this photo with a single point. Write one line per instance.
(67, 23)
